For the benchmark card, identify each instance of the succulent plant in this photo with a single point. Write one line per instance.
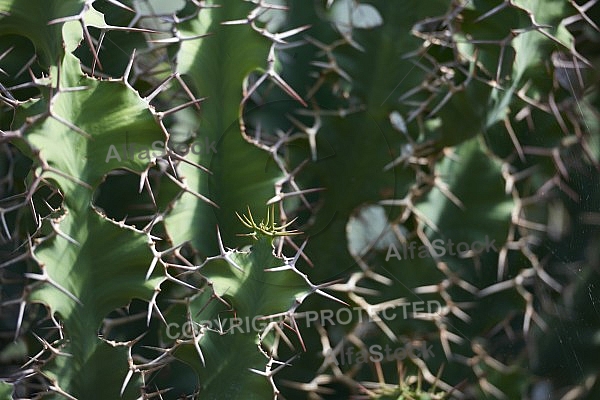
(222, 200)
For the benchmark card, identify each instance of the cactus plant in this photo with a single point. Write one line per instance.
(194, 193)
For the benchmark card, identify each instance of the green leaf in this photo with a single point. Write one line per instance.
(6, 390)
(365, 16)
(253, 295)
(241, 174)
(18, 17)
(369, 229)
(89, 265)
(474, 179)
